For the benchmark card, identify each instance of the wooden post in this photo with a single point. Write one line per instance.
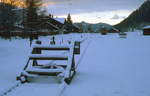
(77, 48)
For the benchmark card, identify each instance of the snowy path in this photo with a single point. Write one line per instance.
(48, 87)
(113, 67)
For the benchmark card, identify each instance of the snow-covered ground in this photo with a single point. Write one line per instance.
(111, 66)
(13, 55)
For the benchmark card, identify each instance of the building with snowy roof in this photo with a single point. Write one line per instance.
(61, 20)
(113, 30)
(51, 24)
(146, 30)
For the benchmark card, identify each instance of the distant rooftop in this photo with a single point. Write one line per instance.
(62, 20)
(115, 29)
(146, 27)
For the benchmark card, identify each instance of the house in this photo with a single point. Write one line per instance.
(46, 24)
(113, 30)
(103, 31)
(146, 30)
(53, 25)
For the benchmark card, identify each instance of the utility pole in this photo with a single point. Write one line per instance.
(23, 16)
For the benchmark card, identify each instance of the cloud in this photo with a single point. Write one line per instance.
(83, 6)
(115, 17)
(92, 7)
(97, 17)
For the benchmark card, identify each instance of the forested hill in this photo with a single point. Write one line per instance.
(137, 19)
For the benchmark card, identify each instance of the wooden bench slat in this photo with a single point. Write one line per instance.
(48, 57)
(51, 47)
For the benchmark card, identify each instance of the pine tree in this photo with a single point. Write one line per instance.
(69, 20)
(32, 11)
(68, 23)
(7, 15)
(65, 22)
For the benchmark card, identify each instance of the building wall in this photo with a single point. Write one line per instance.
(146, 31)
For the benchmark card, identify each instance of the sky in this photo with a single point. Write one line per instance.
(93, 11)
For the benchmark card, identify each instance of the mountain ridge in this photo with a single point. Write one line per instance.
(137, 19)
(94, 28)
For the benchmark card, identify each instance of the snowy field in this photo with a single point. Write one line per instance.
(111, 66)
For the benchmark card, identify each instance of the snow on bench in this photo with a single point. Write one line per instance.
(33, 70)
(48, 57)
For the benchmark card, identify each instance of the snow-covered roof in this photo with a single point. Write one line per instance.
(146, 27)
(62, 20)
(115, 29)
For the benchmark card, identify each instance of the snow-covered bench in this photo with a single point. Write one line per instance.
(33, 67)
